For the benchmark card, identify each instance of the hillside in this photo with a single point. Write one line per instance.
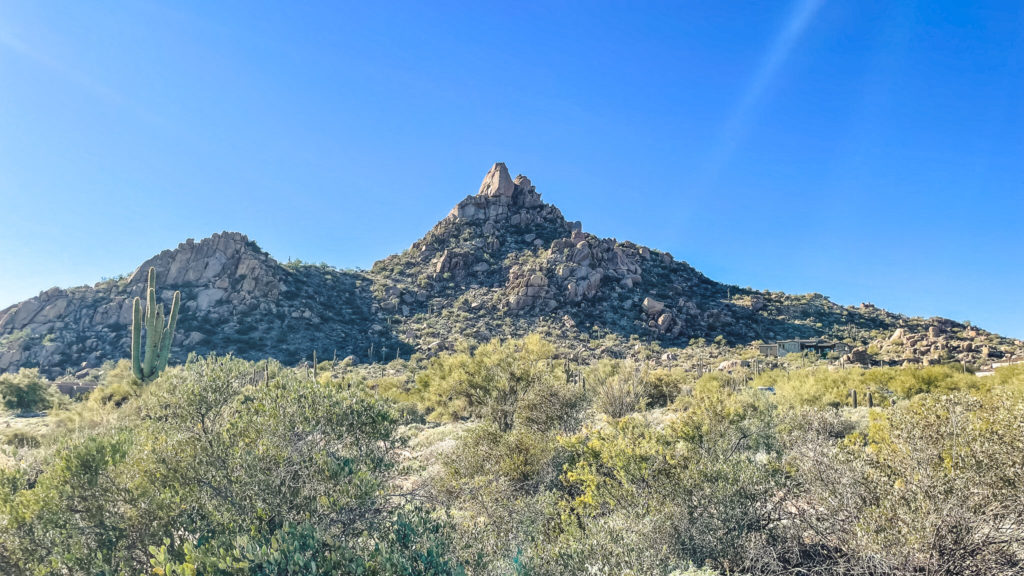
(502, 263)
(236, 298)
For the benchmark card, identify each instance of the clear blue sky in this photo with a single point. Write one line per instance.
(870, 151)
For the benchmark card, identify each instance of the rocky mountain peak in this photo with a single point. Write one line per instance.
(235, 298)
(499, 184)
(503, 202)
(505, 216)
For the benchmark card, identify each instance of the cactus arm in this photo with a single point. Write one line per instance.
(137, 339)
(160, 328)
(152, 336)
(168, 334)
(160, 324)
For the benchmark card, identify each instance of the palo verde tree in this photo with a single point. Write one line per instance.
(147, 364)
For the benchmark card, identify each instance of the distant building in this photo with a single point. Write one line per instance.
(75, 388)
(822, 347)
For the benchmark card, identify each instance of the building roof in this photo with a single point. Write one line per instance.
(809, 342)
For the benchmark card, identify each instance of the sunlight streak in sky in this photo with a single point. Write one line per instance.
(15, 44)
(739, 121)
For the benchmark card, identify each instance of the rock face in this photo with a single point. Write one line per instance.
(502, 263)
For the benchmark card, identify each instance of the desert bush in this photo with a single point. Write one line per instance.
(824, 388)
(618, 388)
(27, 391)
(415, 545)
(212, 471)
(500, 479)
(117, 385)
(21, 439)
(932, 488)
(711, 474)
(510, 382)
(665, 385)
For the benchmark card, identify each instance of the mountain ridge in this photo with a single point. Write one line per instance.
(502, 263)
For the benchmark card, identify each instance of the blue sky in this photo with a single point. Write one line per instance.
(870, 151)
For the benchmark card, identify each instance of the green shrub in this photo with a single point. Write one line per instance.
(933, 488)
(822, 387)
(27, 391)
(709, 478)
(516, 381)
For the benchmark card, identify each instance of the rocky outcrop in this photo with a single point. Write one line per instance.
(223, 275)
(502, 203)
(936, 341)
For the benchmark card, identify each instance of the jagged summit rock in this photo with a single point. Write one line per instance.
(503, 202)
(523, 183)
(497, 182)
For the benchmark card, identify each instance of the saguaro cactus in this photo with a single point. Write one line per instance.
(147, 364)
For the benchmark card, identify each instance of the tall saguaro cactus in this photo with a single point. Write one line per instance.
(147, 364)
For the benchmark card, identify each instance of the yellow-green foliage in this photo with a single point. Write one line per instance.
(21, 439)
(503, 382)
(117, 385)
(399, 389)
(519, 460)
(288, 477)
(935, 490)
(1008, 379)
(618, 387)
(709, 472)
(821, 387)
(666, 384)
(212, 469)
